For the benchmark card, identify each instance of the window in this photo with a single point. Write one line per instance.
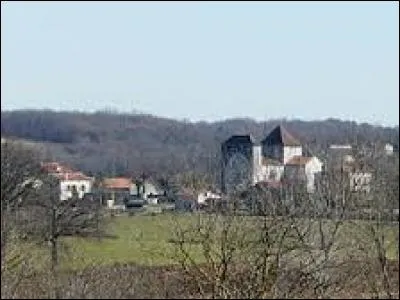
(82, 187)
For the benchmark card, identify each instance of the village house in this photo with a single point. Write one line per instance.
(116, 191)
(70, 181)
(341, 159)
(148, 190)
(207, 198)
(388, 149)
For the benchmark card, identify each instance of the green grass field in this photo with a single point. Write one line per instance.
(138, 239)
(146, 240)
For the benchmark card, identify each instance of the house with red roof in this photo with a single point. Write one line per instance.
(71, 181)
(116, 191)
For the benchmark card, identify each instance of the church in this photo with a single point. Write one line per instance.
(276, 158)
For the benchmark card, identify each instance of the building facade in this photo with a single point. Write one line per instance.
(279, 156)
(70, 181)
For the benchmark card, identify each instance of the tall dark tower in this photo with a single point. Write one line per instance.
(237, 163)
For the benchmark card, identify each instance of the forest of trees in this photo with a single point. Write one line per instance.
(129, 144)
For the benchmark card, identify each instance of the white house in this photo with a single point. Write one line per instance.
(360, 181)
(76, 181)
(116, 190)
(203, 197)
(69, 180)
(388, 149)
(150, 191)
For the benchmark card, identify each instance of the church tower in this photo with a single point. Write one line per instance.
(237, 163)
(280, 145)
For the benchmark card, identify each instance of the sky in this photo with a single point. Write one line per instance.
(204, 60)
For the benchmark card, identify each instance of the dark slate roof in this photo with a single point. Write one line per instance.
(280, 136)
(248, 139)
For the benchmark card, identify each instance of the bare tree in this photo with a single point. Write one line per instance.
(292, 247)
(20, 171)
(20, 177)
(379, 235)
(32, 210)
(56, 219)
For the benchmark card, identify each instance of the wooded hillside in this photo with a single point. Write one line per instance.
(121, 144)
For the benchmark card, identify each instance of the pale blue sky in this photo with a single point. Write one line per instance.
(204, 60)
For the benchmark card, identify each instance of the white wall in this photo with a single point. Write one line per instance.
(290, 151)
(261, 174)
(266, 172)
(202, 197)
(65, 193)
(312, 167)
(360, 181)
(257, 162)
(389, 149)
(150, 188)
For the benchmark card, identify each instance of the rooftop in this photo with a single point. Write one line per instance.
(280, 136)
(55, 167)
(340, 147)
(72, 176)
(270, 162)
(245, 138)
(299, 160)
(117, 183)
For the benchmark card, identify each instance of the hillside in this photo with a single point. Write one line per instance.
(130, 144)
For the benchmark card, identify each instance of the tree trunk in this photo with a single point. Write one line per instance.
(53, 249)
(54, 267)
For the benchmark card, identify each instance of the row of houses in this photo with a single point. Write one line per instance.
(122, 192)
(115, 191)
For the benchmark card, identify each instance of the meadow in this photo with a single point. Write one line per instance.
(142, 239)
(146, 240)
(139, 260)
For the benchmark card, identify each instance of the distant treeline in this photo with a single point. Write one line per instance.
(129, 144)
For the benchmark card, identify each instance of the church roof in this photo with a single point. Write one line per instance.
(280, 136)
